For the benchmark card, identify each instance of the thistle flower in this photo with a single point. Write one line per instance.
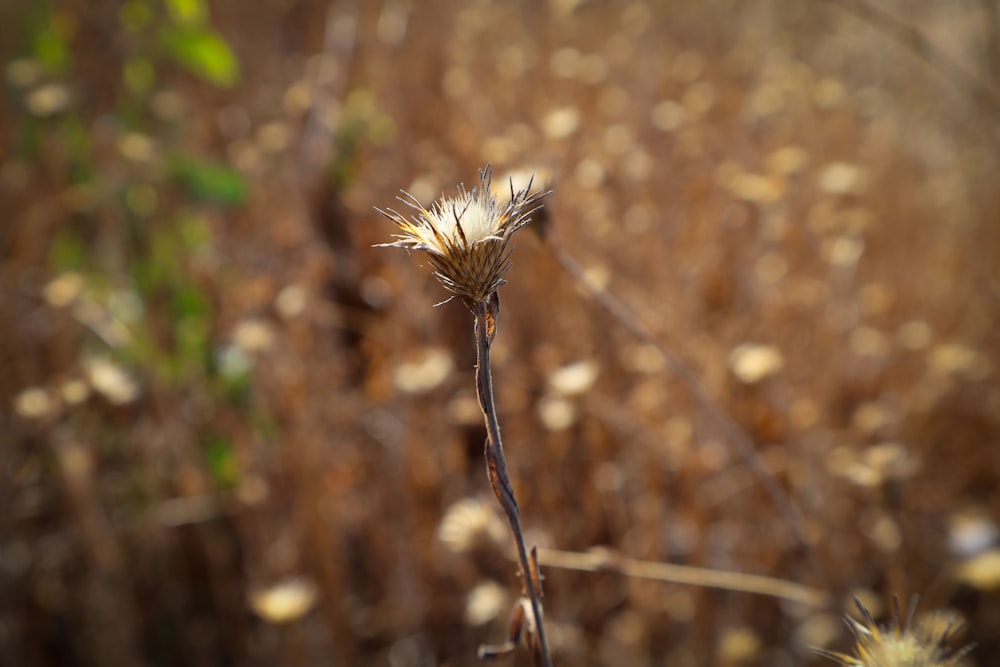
(902, 643)
(467, 235)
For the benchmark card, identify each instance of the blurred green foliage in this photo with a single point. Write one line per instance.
(221, 461)
(196, 47)
(142, 236)
(51, 44)
(209, 182)
(192, 13)
(203, 53)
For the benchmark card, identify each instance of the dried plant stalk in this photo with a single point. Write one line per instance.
(496, 466)
(466, 238)
(605, 560)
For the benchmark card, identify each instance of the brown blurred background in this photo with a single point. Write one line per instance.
(234, 433)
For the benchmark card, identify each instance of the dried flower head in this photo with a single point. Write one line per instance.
(903, 643)
(467, 235)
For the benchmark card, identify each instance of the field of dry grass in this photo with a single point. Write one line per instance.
(755, 330)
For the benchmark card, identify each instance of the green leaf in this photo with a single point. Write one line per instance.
(187, 12)
(51, 45)
(189, 303)
(221, 461)
(195, 234)
(204, 53)
(67, 251)
(210, 182)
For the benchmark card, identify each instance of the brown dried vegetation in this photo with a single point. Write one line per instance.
(235, 433)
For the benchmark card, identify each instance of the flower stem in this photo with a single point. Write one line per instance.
(496, 466)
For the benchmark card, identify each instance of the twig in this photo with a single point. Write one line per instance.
(496, 465)
(683, 574)
(985, 96)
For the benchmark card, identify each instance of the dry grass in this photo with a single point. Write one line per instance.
(232, 429)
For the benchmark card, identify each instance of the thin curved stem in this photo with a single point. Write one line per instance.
(496, 466)
(685, 574)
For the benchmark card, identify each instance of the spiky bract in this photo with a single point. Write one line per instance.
(902, 643)
(467, 236)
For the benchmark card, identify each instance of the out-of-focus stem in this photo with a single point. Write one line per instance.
(734, 433)
(684, 574)
(496, 467)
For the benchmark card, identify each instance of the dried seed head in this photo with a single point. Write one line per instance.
(903, 643)
(467, 235)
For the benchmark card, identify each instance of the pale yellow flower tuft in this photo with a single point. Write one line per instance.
(286, 601)
(467, 236)
(903, 643)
